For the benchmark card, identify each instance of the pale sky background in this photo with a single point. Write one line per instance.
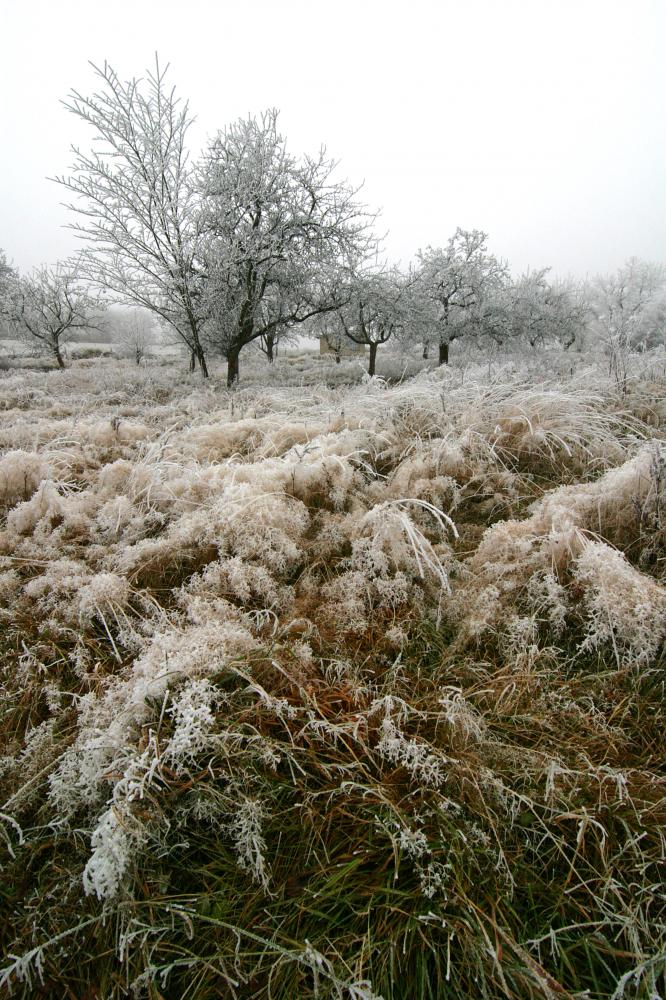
(543, 123)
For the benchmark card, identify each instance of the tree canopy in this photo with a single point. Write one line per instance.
(277, 231)
(50, 304)
(455, 280)
(137, 200)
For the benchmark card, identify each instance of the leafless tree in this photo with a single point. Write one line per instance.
(629, 308)
(137, 200)
(136, 333)
(49, 305)
(541, 310)
(277, 231)
(8, 280)
(334, 337)
(626, 302)
(455, 279)
(374, 311)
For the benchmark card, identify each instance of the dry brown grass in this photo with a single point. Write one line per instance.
(333, 692)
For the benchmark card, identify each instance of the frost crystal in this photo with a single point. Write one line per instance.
(625, 608)
(417, 758)
(245, 830)
(194, 718)
(113, 846)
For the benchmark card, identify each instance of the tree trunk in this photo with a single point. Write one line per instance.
(232, 369)
(196, 348)
(444, 343)
(58, 356)
(373, 358)
(337, 357)
(201, 358)
(426, 351)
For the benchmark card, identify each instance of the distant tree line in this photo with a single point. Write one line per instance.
(251, 243)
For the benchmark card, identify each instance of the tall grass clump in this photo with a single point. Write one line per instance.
(348, 693)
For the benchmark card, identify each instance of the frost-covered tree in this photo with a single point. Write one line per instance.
(137, 200)
(628, 305)
(569, 310)
(8, 278)
(420, 312)
(333, 336)
(269, 342)
(492, 318)
(455, 280)
(136, 334)
(530, 306)
(629, 309)
(278, 229)
(374, 310)
(542, 311)
(50, 304)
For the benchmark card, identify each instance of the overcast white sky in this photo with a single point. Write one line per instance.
(543, 123)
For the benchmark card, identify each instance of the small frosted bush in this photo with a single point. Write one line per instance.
(193, 714)
(102, 591)
(246, 582)
(625, 608)
(391, 559)
(55, 589)
(21, 472)
(10, 584)
(245, 829)
(529, 563)
(113, 848)
(46, 507)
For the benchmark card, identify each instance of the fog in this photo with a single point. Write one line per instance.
(541, 123)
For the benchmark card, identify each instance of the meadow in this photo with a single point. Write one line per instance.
(334, 687)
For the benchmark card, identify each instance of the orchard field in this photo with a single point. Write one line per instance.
(337, 687)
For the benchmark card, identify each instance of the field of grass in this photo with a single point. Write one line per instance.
(333, 687)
